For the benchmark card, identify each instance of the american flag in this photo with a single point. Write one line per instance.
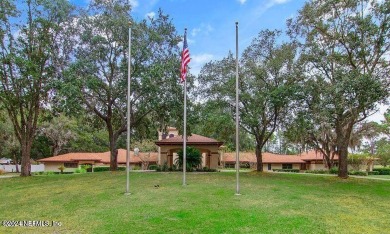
(185, 58)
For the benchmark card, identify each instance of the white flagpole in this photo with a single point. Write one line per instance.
(237, 121)
(128, 116)
(185, 129)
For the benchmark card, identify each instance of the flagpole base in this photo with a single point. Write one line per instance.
(237, 194)
(127, 194)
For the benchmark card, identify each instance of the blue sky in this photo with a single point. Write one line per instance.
(211, 23)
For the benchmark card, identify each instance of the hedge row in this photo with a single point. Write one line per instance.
(204, 169)
(373, 173)
(382, 171)
(286, 170)
(317, 172)
(359, 173)
(99, 169)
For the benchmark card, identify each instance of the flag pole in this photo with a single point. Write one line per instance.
(237, 122)
(128, 116)
(185, 127)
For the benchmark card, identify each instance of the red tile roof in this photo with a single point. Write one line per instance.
(101, 157)
(194, 139)
(314, 155)
(267, 158)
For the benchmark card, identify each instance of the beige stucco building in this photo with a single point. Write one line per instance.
(72, 161)
(169, 144)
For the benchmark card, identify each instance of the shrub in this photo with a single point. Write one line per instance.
(2, 172)
(334, 170)
(286, 170)
(85, 167)
(205, 169)
(358, 161)
(358, 173)
(80, 170)
(61, 168)
(49, 173)
(373, 173)
(382, 171)
(136, 168)
(165, 167)
(193, 158)
(317, 172)
(153, 167)
(100, 169)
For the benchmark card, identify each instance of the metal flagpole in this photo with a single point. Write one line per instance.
(128, 115)
(185, 128)
(185, 134)
(237, 121)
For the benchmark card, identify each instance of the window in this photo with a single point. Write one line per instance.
(286, 166)
(269, 167)
(71, 165)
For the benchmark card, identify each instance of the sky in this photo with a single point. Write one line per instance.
(211, 24)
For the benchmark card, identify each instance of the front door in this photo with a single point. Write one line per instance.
(170, 160)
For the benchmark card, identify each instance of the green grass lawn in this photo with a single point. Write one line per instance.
(380, 176)
(270, 203)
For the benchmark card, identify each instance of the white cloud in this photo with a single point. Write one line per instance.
(134, 3)
(150, 15)
(242, 1)
(195, 31)
(197, 62)
(204, 29)
(201, 58)
(272, 3)
(280, 1)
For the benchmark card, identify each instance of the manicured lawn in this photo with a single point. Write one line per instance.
(270, 203)
(380, 176)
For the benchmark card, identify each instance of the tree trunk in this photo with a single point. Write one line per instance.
(343, 163)
(259, 158)
(113, 157)
(343, 134)
(329, 160)
(56, 149)
(26, 164)
(16, 163)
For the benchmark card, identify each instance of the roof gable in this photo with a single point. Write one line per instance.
(194, 139)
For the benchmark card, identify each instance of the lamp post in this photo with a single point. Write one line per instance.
(128, 117)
